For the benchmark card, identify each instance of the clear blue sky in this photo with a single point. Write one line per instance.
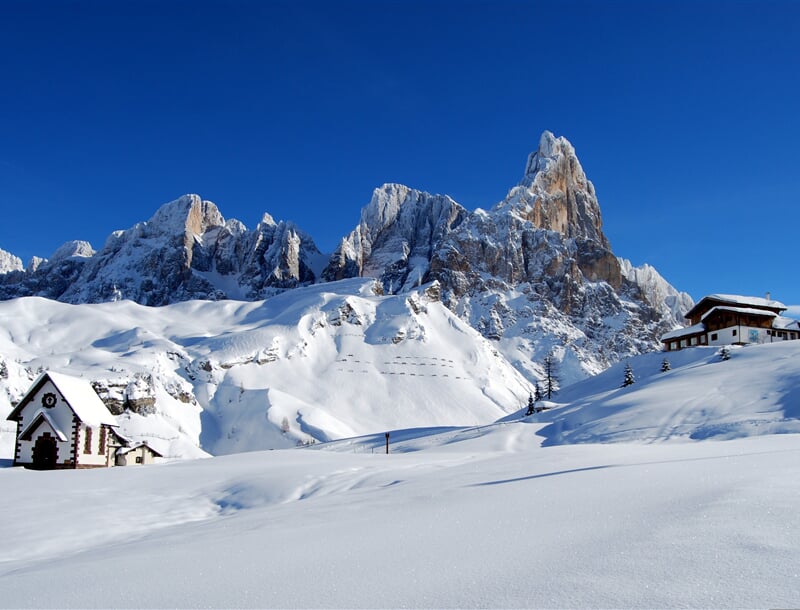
(685, 115)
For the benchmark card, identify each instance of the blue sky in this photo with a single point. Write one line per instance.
(685, 115)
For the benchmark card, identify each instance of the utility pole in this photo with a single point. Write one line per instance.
(387, 443)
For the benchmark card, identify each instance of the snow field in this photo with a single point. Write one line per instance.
(486, 519)
(310, 365)
(701, 397)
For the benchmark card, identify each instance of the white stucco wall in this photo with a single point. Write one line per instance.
(129, 458)
(94, 457)
(62, 417)
(743, 334)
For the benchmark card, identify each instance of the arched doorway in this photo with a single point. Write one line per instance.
(45, 452)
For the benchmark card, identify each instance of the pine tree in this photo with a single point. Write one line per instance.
(531, 408)
(725, 353)
(537, 393)
(629, 378)
(550, 376)
(665, 366)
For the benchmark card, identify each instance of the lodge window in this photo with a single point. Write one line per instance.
(87, 444)
(138, 459)
(714, 337)
(734, 332)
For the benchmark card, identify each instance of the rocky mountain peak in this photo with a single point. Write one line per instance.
(395, 239)
(189, 214)
(551, 150)
(76, 247)
(556, 195)
(9, 262)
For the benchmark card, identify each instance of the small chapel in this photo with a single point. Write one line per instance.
(63, 424)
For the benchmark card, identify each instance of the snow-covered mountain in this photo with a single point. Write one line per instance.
(534, 275)
(9, 262)
(187, 250)
(318, 363)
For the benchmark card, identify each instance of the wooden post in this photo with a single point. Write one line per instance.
(387, 443)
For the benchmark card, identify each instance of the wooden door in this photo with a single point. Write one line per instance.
(45, 452)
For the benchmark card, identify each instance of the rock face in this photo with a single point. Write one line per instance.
(187, 250)
(534, 273)
(396, 236)
(9, 262)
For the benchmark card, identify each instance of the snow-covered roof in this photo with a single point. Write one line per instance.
(748, 310)
(745, 301)
(78, 393)
(37, 420)
(784, 323)
(695, 329)
(84, 401)
(125, 450)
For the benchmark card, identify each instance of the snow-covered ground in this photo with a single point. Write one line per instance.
(680, 490)
(755, 392)
(231, 376)
(463, 518)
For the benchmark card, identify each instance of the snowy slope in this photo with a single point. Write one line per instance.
(323, 362)
(755, 392)
(489, 521)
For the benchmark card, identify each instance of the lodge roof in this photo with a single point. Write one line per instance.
(741, 310)
(695, 329)
(735, 300)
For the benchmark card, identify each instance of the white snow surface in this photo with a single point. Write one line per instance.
(467, 518)
(679, 490)
(755, 392)
(306, 366)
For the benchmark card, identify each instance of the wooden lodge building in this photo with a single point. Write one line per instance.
(726, 319)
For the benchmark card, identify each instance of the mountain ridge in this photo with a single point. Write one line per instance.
(534, 272)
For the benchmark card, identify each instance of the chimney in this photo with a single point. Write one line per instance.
(769, 296)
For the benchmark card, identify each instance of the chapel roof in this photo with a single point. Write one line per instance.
(79, 395)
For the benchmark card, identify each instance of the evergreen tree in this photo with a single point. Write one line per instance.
(550, 375)
(629, 378)
(725, 353)
(531, 408)
(665, 366)
(537, 393)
